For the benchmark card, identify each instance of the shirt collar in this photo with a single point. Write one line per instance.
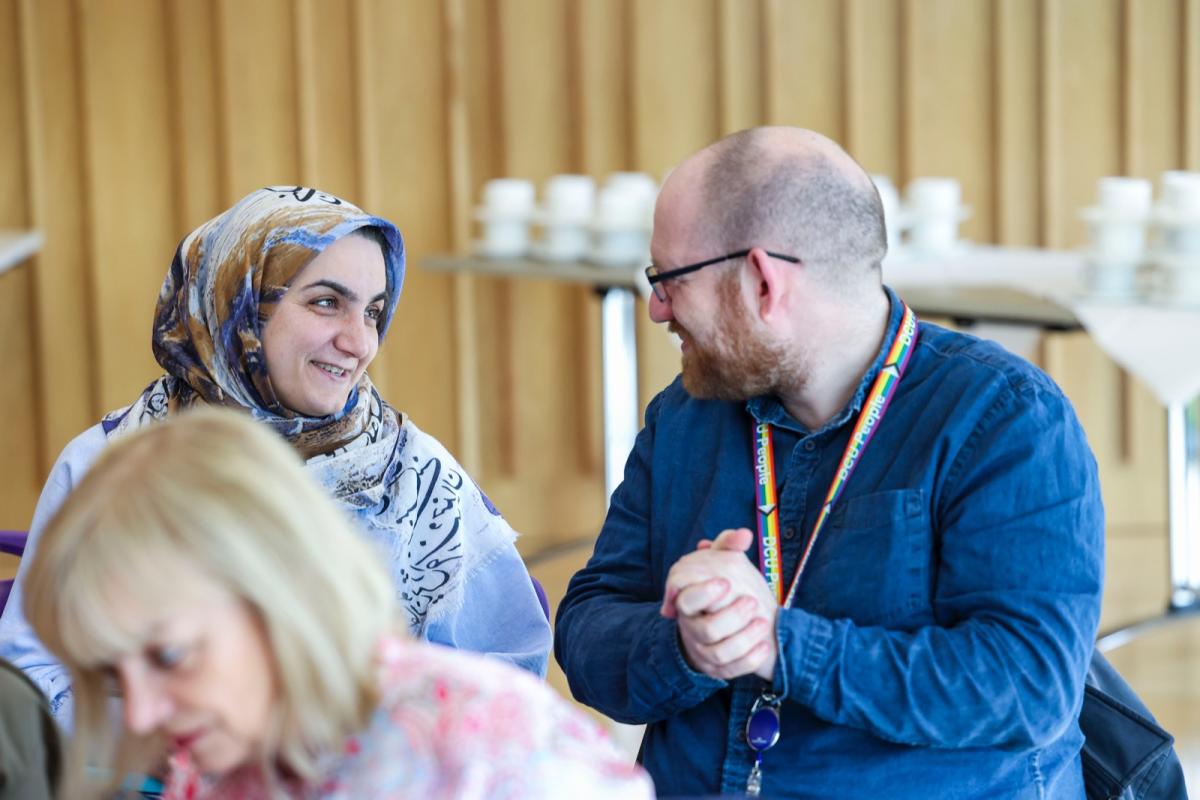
(767, 408)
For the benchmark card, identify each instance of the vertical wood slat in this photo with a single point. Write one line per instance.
(61, 309)
(1018, 152)
(190, 40)
(19, 389)
(808, 42)
(305, 57)
(950, 110)
(256, 53)
(131, 199)
(873, 86)
(466, 384)
(1189, 95)
(739, 59)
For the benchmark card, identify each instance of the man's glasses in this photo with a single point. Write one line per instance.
(657, 276)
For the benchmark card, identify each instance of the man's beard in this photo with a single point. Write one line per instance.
(739, 366)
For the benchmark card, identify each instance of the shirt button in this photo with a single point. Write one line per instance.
(789, 533)
(810, 446)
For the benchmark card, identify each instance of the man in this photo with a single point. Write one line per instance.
(937, 640)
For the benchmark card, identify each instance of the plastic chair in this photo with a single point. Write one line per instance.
(13, 543)
(538, 590)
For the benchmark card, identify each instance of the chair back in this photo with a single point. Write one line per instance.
(13, 543)
(543, 600)
(1126, 755)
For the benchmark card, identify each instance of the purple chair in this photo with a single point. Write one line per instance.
(13, 543)
(537, 589)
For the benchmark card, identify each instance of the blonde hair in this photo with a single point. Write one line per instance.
(213, 492)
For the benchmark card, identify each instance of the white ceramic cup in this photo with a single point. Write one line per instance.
(932, 212)
(934, 197)
(504, 218)
(1124, 197)
(1179, 213)
(508, 197)
(890, 198)
(568, 199)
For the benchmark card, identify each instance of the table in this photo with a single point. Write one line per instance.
(974, 284)
(617, 288)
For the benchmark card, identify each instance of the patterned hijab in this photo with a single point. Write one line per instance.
(226, 279)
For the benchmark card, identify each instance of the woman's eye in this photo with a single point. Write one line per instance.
(167, 657)
(325, 302)
(374, 313)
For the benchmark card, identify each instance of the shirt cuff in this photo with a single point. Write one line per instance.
(669, 663)
(804, 641)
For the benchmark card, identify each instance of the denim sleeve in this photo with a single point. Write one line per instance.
(500, 617)
(1019, 528)
(619, 654)
(18, 644)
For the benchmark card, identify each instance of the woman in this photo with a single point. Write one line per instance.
(276, 307)
(254, 643)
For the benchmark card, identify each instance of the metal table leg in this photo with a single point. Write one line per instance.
(1183, 492)
(1183, 502)
(619, 370)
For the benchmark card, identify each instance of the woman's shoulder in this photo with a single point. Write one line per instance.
(449, 719)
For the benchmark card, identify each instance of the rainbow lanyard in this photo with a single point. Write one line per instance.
(869, 418)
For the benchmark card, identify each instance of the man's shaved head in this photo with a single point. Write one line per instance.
(791, 191)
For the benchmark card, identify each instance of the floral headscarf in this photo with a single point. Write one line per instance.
(407, 491)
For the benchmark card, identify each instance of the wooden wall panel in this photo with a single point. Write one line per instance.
(739, 55)
(804, 40)
(19, 389)
(1189, 95)
(1018, 153)
(874, 119)
(405, 155)
(61, 326)
(674, 80)
(1081, 111)
(128, 122)
(131, 196)
(257, 89)
(948, 101)
(195, 122)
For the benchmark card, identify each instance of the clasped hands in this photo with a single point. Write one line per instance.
(725, 610)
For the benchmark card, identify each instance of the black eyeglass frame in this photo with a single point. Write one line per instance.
(655, 277)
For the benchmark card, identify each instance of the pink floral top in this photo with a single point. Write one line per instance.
(453, 725)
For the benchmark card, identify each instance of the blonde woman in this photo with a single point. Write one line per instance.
(256, 643)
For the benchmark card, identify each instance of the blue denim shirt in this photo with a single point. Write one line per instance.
(939, 640)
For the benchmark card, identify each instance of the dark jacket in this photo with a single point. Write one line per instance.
(30, 752)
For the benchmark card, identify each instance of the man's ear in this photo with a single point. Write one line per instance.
(770, 284)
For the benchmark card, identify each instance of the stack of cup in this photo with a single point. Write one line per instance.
(568, 202)
(932, 213)
(623, 220)
(1117, 235)
(892, 220)
(504, 218)
(1178, 220)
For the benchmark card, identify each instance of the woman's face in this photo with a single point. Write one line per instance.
(323, 333)
(203, 677)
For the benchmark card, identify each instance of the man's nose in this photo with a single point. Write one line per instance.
(660, 310)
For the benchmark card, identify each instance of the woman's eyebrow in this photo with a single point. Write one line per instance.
(345, 291)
